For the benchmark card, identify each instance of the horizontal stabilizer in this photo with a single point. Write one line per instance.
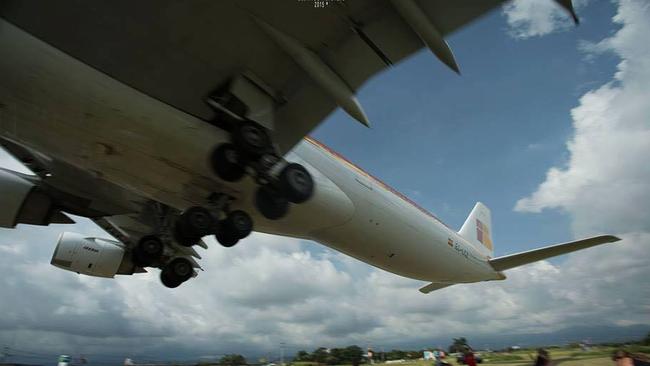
(519, 259)
(434, 286)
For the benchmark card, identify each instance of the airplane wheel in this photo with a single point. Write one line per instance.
(149, 249)
(296, 183)
(271, 204)
(168, 280)
(238, 223)
(251, 138)
(180, 269)
(226, 163)
(193, 224)
(226, 238)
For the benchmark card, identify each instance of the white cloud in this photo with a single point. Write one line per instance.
(606, 183)
(533, 18)
(269, 290)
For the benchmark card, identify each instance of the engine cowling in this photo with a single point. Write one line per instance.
(22, 202)
(91, 256)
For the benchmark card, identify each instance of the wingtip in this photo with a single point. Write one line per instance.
(454, 67)
(568, 6)
(609, 238)
(355, 110)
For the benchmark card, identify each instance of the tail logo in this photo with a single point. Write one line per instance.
(483, 234)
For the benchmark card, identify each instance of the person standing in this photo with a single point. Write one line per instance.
(543, 358)
(469, 358)
(622, 358)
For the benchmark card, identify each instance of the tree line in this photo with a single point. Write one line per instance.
(353, 355)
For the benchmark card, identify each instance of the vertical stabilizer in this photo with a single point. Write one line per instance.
(477, 229)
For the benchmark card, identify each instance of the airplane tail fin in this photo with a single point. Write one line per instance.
(519, 259)
(477, 229)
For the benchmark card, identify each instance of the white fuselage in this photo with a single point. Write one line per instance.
(69, 111)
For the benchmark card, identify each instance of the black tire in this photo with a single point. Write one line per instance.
(180, 269)
(226, 238)
(237, 224)
(270, 203)
(296, 183)
(195, 223)
(251, 138)
(169, 281)
(227, 163)
(148, 250)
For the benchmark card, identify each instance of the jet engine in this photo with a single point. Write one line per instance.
(91, 256)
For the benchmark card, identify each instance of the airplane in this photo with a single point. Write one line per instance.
(166, 122)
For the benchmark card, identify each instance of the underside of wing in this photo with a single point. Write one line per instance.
(306, 61)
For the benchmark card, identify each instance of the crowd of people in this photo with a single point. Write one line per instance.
(543, 358)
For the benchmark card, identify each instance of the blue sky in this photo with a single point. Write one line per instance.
(490, 135)
(548, 125)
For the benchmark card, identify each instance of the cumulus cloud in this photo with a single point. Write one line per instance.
(533, 18)
(605, 185)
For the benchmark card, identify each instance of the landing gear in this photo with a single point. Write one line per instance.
(176, 272)
(251, 139)
(296, 183)
(148, 251)
(227, 163)
(237, 225)
(193, 224)
(271, 203)
(252, 151)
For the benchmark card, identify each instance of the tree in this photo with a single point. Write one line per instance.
(320, 355)
(335, 357)
(303, 356)
(459, 345)
(396, 355)
(646, 340)
(232, 360)
(353, 355)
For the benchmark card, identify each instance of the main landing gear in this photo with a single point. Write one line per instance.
(186, 229)
(227, 226)
(252, 152)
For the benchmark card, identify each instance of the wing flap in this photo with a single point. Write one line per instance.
(519, 259)
(434, 286)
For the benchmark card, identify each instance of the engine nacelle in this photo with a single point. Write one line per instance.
(91, 256)
(21, 202)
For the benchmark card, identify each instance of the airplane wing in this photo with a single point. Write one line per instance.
(519, 259)
(303, 60)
